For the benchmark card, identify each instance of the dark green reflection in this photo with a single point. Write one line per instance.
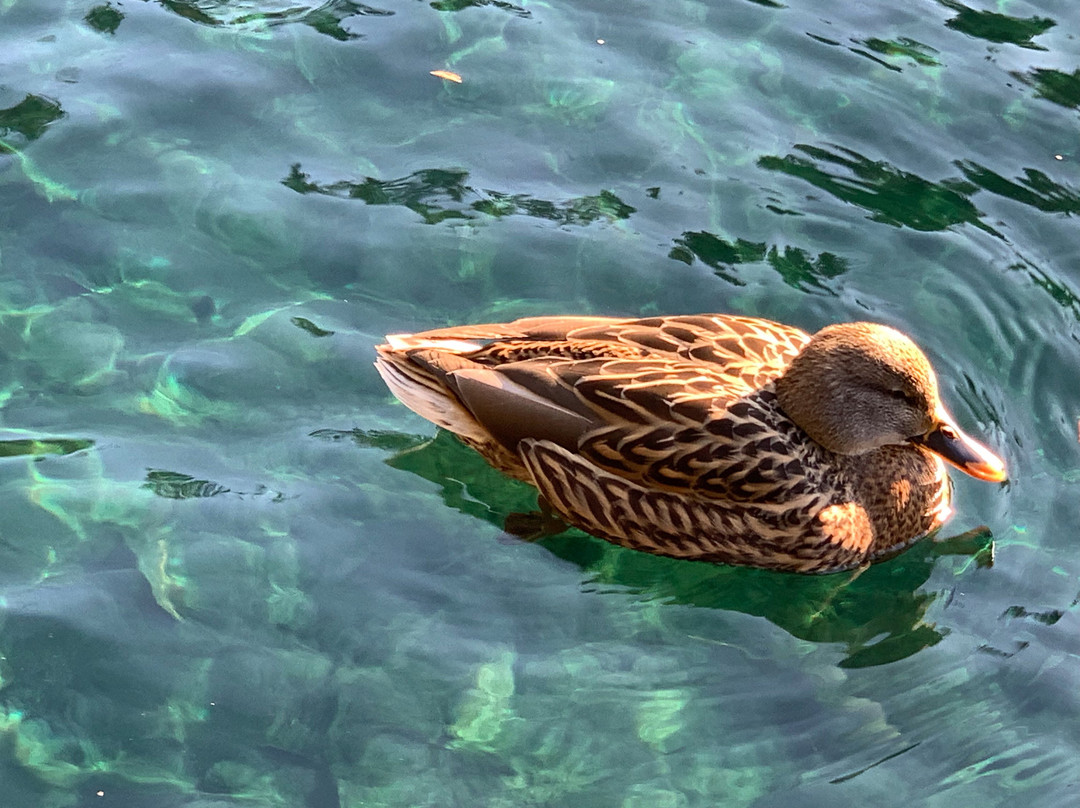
(799, 270)
(174, 485)
(105, 19)
(1054, 85)
(794, 265)
(994, 27)
(1047, 618)
(904, 48)
(717, 253)
(466, 482)
(30, 117)
(1035, 188)
(894, 197)
(438, 194)
(373, 438)
(1058, 290)
(327, 18)
(878, 615)
(189, 10)
(458, 5)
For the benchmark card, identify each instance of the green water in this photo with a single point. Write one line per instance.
(235, 572)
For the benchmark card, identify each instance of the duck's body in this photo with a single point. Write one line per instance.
(687, 436)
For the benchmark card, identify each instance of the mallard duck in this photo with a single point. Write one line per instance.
(711, 437)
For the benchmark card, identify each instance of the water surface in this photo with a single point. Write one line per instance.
(235, 572)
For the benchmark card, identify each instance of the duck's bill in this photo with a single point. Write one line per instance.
(967, 454)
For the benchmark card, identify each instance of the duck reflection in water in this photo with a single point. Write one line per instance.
(877, 615)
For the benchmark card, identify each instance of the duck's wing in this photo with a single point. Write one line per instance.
(748, 350)
(685, 427)
(688, 429)
(682, 403)
(427, 371)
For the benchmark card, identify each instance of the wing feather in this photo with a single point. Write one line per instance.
(680, 403)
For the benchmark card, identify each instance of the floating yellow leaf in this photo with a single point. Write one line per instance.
(446, 74)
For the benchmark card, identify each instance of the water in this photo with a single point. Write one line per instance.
(235, 572)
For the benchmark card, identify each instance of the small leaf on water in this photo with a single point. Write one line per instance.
(310, 327)
(446, 74)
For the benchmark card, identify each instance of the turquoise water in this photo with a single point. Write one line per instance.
(235, 572)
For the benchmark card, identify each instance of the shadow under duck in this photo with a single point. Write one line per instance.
(709, 437)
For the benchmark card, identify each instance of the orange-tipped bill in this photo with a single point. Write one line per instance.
(967, 454)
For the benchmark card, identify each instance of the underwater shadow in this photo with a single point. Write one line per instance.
(878, 616)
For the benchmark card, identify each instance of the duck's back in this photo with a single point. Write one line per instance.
(748, 350)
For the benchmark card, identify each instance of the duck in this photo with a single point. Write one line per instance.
(711, 437)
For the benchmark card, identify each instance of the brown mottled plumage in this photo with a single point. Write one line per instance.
(709, 437)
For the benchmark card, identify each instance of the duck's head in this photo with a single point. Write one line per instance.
(858, 386)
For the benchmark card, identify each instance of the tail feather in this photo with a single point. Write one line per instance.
(408, 342)
(425, 394)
